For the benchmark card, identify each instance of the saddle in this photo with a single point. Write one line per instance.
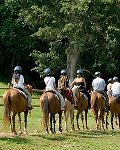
(21, 92)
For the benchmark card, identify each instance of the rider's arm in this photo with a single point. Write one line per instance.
(73, 83)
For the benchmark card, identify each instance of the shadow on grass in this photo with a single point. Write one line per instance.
(17, 140)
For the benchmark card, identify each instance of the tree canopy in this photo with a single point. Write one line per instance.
(60, 34)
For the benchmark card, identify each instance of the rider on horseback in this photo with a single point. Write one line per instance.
(109, 87)
(18, 82)
(98, 84)
(80, 82)
(116, 87)
(51, 86)
(63, 80)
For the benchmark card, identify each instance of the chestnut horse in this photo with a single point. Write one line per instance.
(16, 103)
(82, 107)
(49, 103)
(69, 107)
(98, 108)
(114, 106)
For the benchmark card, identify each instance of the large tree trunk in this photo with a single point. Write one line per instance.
(72, 59)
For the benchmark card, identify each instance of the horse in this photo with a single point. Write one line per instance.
(82, 106)
(69, 107)
(15, 102)
(98, 108)
(114, 107)
(49, 103)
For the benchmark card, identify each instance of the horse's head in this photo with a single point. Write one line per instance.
(29, 88)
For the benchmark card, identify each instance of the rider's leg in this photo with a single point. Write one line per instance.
(62, 101)
(74, 97)
(29, 97)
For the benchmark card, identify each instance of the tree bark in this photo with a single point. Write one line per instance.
(72, 59)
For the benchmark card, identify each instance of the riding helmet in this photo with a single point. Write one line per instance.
(115, 79)
(80, 72)
(47, 72)
(97, 74)
(18, 69)
(63, 72)
(110, 80)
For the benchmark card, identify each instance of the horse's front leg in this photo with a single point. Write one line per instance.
(72, 118)
(82, 119)
(51, 118)
(119, 119)
(60, 121)
(112, 116)
(77, 119)
(19, 121)
(66, 114)
(25, 122)
(54, 122)
(86, 112)
(13, 122)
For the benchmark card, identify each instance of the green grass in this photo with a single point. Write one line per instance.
(72, 140)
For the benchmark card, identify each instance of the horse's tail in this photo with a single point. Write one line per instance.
(6, 99)
(45, 111)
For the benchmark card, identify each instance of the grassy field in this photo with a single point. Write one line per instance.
(72, 140)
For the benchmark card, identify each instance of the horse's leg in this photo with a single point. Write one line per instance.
(25, 121)
(51, 116)
(66, 114)
(107, 113)
(82, 119)
(116, 119)
(54, 123)
(103, 122)
(86, 112)
(13, 122)
(77, 119)
(112, 116)
(60, 121)
(119, 119)
(19, 121)
(72, 118)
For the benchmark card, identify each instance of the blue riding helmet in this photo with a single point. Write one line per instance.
(97, 74)
(115, 79)
(18, 70)
(63, 72)
(80, 72)
(110, 80)
(47, 72)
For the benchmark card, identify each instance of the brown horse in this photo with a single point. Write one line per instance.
(16, 103)
(98, 107)
(114, 106)
(82, 107)
(69, 107)
(49, 103)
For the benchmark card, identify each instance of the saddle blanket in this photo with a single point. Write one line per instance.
(21, 92)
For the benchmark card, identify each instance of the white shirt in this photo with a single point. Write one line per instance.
(49, 81)
(20, 83)
(115, 88)
(98, 84)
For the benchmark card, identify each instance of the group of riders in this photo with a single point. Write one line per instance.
(98, 85)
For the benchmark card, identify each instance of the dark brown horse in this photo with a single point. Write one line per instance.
(82, 107)
(15, 103)
(69, 107)
(98, 108)
(49, 103)
(114, 106)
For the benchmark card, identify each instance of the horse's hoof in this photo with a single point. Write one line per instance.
(47, 132)
(25, 133)
(20, 132)
(14, 133)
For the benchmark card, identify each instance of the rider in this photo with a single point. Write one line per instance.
(80, 82)
(115, 87)
(18, 82)
(98, 84)
(63, 80)
(109, 86)
(51, 86)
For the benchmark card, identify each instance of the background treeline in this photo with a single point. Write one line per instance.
(59, 34)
